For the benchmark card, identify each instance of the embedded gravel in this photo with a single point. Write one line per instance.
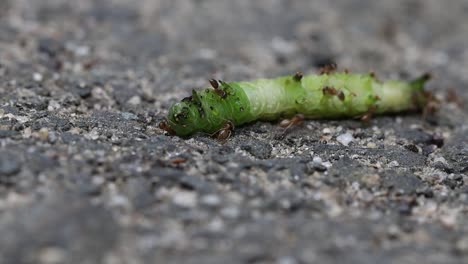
(86, 175)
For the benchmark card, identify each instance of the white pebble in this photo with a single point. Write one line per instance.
(118, 200)
(94, 134)
(230, 212)
(282, 46)
(37, 77)
(317, 160)
(211, 200)
(327, 164)
(345, 138)
(206, 54)
(135, 100)
(52, 255)
(440, 159)
(185, 199)
(216, 225)
(287, 260)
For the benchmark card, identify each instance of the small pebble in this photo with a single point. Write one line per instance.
(129, 116)
(211, 200)
(287, 260)
(440, 159)
(9, 164)
(216, 225)
(43, 134)
(135, 100)
(345, 139)
(185, 199)
(317, 160)
(82, 51)
(118, 200)
(462, 245)
(37, 77)
(283, 46)
(371, 179)
(317, 164)
(94, 134)
(52, 137)
(230, 212)
(52, 255)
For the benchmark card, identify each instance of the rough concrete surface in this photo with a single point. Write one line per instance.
(86, 175)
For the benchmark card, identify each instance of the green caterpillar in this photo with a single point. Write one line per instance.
(328, 95)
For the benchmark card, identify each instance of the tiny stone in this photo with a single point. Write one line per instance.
(82, 51)
(327, 164)
(94, 134)
(287, 260)
(393, 231)
(462, 245)
(9, 164)
(440, 159)
(52, 137)
(230, 212)
(449, 219)
(216, 225)
(185, 199)
(371, 179)
(53, 105)
(27, 132)
(52, 255)
(117, 200)
(393, 164)
(37, 77)
(326, 131)
(355, 185)
(43, 134)
(129, 116)
(282, 46)
(345, 139)
(211, 200)
(207, 54)
(135, 100)
(316, 165)
(317, 160)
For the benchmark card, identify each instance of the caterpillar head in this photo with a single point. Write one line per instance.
(182, 119)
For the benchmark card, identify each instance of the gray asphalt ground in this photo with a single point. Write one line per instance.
(86, 175)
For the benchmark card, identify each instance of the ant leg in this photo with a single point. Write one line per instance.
(164, 126)
(295, 120)
(366, 117)
(327, 69)
(431, 107)
(225, 132)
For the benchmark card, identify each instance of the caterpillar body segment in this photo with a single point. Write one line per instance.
(325, 96)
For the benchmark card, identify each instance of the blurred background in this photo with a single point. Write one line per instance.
(244, 39)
